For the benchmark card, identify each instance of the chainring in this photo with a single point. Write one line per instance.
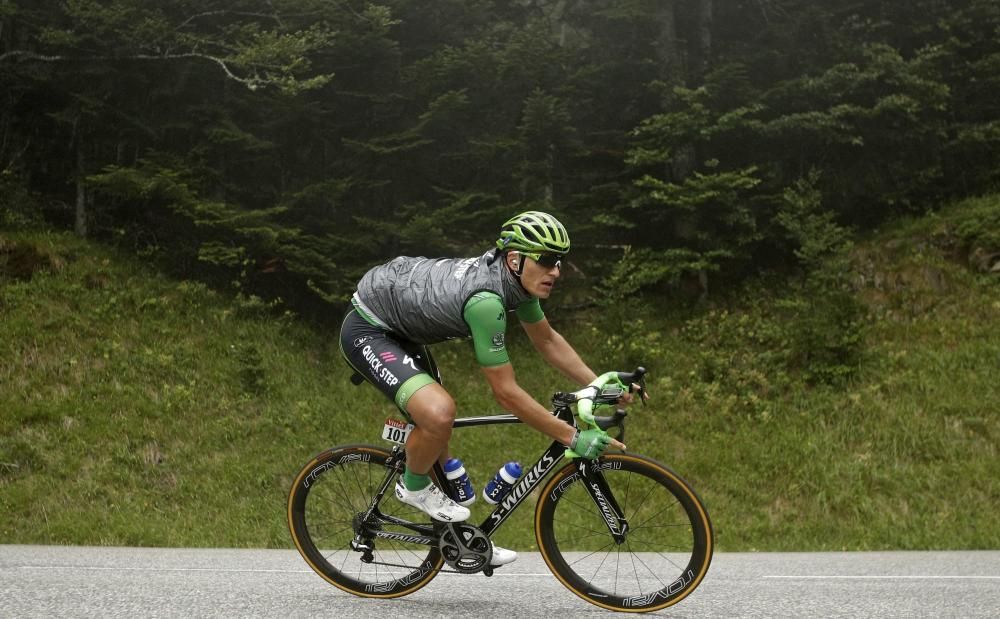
(465, 548)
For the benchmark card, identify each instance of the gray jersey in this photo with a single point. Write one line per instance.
(423, 299)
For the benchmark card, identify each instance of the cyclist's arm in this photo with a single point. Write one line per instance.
(487, 319)
(557, 351)
(510, 396)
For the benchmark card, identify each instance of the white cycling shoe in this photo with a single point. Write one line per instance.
(502, 556)
(434, 503)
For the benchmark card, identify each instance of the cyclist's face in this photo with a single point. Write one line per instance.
(538, 280)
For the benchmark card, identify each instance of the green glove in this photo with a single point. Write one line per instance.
(589, 444)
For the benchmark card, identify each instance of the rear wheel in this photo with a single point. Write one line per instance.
(667, 546)
(326, 511)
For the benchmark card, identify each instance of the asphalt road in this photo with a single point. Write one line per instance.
(50, 581)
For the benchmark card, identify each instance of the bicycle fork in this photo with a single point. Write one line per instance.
(604, 499)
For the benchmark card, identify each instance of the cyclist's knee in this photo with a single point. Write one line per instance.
(434, 412)
(439, 418)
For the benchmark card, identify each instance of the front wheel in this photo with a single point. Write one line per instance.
(330, 517)
(660, 558)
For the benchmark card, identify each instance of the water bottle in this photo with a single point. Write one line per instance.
(502, 482)
(460, 482)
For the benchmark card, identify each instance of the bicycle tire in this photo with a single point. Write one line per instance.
(667, 550)
(323, 505)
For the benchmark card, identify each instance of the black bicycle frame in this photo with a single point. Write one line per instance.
(589, 470)
(595, 483)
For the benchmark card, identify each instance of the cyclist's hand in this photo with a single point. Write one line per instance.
(628, 398)
(590, 444)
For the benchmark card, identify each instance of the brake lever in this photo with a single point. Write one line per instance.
(641, 371)
(642, 390)
(613, 421)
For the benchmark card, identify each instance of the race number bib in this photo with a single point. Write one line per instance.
(396, 431)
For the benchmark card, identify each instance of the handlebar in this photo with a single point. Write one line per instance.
(606, 389)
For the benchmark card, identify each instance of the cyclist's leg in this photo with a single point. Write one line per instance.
(384, 361)
(424, 358)
(433, 412)
(381, 359)
(421, 354)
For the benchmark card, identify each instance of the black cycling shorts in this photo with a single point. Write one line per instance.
(397, 366)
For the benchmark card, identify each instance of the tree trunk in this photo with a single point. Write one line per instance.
(550, 161)
(5, 123)
(667, 53)
(704, 38)
(557, 19)
(80, 225)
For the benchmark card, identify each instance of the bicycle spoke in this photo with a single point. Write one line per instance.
(600, 564)
(592, 553)
(618, 558)
(679, 525)
(655, 514)
(580, 538)
(642, 502)
(396, 548)
(649, 569)
(579, 504)
(342, 497)
(322, 538)
(651, 542)
(635, 572)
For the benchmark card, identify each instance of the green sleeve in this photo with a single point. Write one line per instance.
(487, 319)
(530, 311)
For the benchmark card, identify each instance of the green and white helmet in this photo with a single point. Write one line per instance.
(534, 232)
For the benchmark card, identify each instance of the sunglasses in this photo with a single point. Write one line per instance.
(546, 260)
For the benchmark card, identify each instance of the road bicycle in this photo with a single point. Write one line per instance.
(622, 531)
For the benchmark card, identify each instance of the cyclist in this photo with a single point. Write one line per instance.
(408, 303)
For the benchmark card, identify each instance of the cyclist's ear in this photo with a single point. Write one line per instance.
(512, 260)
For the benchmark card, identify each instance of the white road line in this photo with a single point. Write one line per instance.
(882, 577)
(495, 574)
(500, 574)
(157, 569)
(225, 570)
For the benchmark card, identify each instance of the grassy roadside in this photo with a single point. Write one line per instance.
(138, 410)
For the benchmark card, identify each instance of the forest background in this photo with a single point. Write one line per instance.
(728, 171)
